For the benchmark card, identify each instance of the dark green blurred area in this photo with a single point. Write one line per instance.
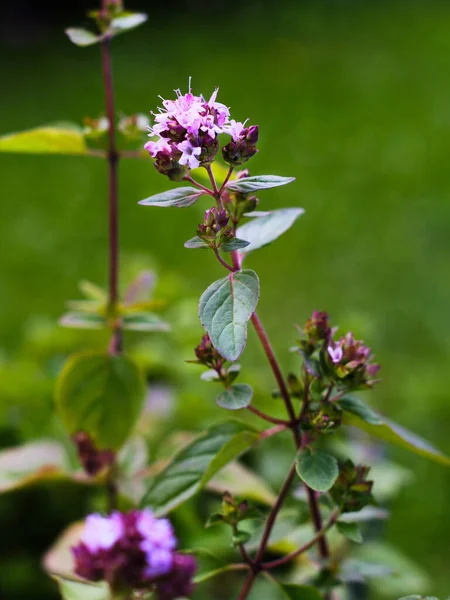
(353, 98)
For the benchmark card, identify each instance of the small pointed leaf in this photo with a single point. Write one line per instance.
(359, 415)
(181, 197)
(128, 20)
(350, 531)
(225, 309)
(234, 244)
(247, 185)
(317, 469)
(101, 394)
(82, 37)
(144, 322)
(83, 320)
(92, 291)
(236, 397)
(195, 242)
(263, 230)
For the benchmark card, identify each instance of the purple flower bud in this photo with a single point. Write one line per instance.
(208, 355)
(180, 583)
(317, 328)
(92, 459)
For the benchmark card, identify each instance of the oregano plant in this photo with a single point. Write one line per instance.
(130, 549)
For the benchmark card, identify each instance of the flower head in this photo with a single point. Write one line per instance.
(186, 131)
(133, 549)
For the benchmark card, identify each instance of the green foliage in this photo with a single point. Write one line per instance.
(48, 139)
(264, 228)
(181, 197)
(234, 244)
(293, 591)
(361, 416)
(195, 243)
(317, 469)
(350, 531)
(225, 309)
(77, 590)
(248, 185)
(100, 394)
(236, 397)
(191, 469)
(82, 37)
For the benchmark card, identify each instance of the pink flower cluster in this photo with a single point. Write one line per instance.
(352, 356)
(136, 550)
(186, 130)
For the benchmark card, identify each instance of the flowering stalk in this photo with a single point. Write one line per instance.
(187, 129)
(116, 343)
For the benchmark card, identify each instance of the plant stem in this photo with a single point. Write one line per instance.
(198, 185)
(225, 181)
(266, 417)
(261, 333)
(319, 535)
(223, 262)
(116, 343)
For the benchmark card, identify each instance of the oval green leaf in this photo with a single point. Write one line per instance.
(247, 185)
(101, 394)
(236, 397)
(225, 309)
(359, 415)
(262, 230)
(45, 140)
(180, 197)
(193, 467)
(317, 469)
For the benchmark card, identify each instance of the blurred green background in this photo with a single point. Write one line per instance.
(353, 98)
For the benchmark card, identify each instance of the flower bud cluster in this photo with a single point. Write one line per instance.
(347, 362)
(352, 491)
(207, 355)
(186, 131)
(92, 459)
(134, 550)
(215, 230)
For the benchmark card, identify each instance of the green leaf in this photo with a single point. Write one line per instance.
(215, 519)
(195, 242)
(263, 230)
(37, 461)
(78, 590)
(317, 469)
(416, 597)
(181, 197)
(236, 397)
(144, 322)
(83, 320)
(300, 592)
(191, 469)
(101, 394)
(93, 291)
(360, 570)
(225, 309)
(247, 185)
(234, 244)
(210, 375)
(82, 37)
(45, 140)
(240, 481)
(201, 577)
(368, 513)
(350, 531)
(128, 20)
(360, 415)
